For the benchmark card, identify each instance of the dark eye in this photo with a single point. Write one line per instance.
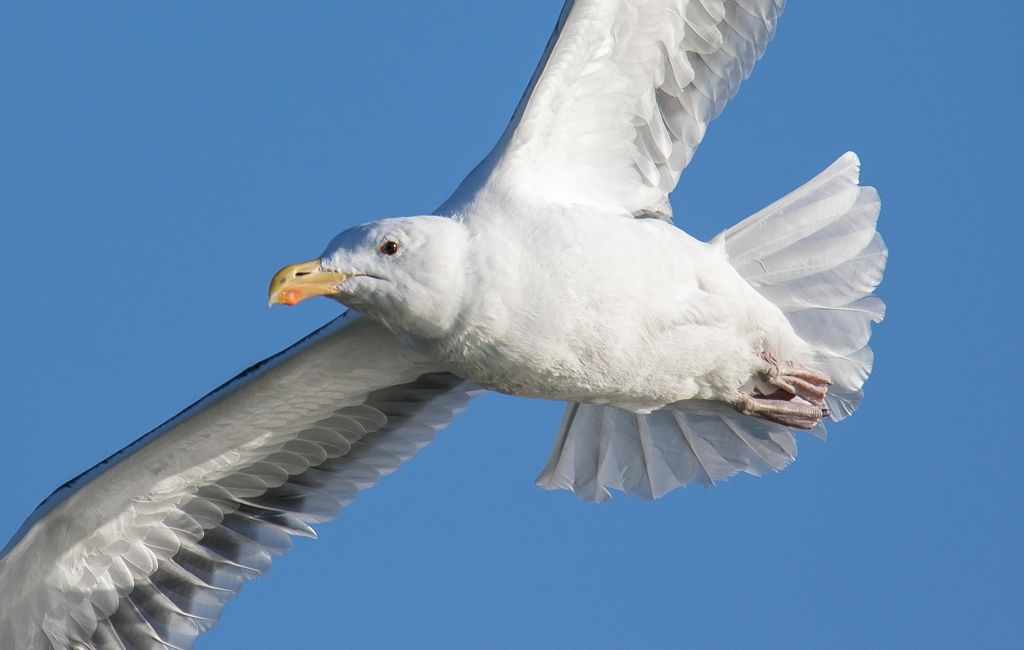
(389, 247)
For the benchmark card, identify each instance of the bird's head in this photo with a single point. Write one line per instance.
(408, 273)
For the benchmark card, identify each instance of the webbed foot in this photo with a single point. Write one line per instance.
(788, 412)
(799, 398)
(808, 384)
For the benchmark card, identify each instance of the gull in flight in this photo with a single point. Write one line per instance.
(553, 271)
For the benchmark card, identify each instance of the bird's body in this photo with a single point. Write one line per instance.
(553, 271)
(674, 320)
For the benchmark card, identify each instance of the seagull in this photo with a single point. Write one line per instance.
(553, 271)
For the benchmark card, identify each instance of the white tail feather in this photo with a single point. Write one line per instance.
(602, 447)
(816, 255)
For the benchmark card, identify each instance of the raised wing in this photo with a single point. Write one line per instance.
(143, 550)
(620, 102)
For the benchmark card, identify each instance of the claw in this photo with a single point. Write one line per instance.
(789, 413)
(808, 384)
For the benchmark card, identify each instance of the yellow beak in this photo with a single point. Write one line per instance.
(293, 284)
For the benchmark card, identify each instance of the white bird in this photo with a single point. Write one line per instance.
(553, 271)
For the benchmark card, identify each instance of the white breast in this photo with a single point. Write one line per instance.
(634, 313)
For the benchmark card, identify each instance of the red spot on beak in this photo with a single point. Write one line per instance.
(291, 297)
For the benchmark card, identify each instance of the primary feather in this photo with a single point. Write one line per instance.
(621, 100)
(549, 280)
(143, 550)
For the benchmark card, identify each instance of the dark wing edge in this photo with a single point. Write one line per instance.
(69, 487)
(157, 568)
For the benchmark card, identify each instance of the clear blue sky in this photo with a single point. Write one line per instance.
(160, 160)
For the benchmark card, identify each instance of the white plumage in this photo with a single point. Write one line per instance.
(817, 256)
(143, 549)
(553, 271)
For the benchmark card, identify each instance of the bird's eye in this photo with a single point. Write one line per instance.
(389, 247)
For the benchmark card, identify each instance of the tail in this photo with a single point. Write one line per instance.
(816, 255)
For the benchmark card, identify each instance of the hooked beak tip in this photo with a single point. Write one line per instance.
(293, 284)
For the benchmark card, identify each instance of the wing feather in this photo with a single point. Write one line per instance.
(620, 102)
(144, 550)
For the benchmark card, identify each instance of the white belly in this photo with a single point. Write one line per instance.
(613, 311)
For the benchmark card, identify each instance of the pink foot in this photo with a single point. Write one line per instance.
(806, 383)
(799, 398)
(790, 413)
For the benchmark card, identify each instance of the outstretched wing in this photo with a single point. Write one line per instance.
(620, 102)
(143, 550)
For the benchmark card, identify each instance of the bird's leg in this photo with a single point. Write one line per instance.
(788, 412)
(798, 399)
(806, 383)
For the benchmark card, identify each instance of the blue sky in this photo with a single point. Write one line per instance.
(159, 161)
